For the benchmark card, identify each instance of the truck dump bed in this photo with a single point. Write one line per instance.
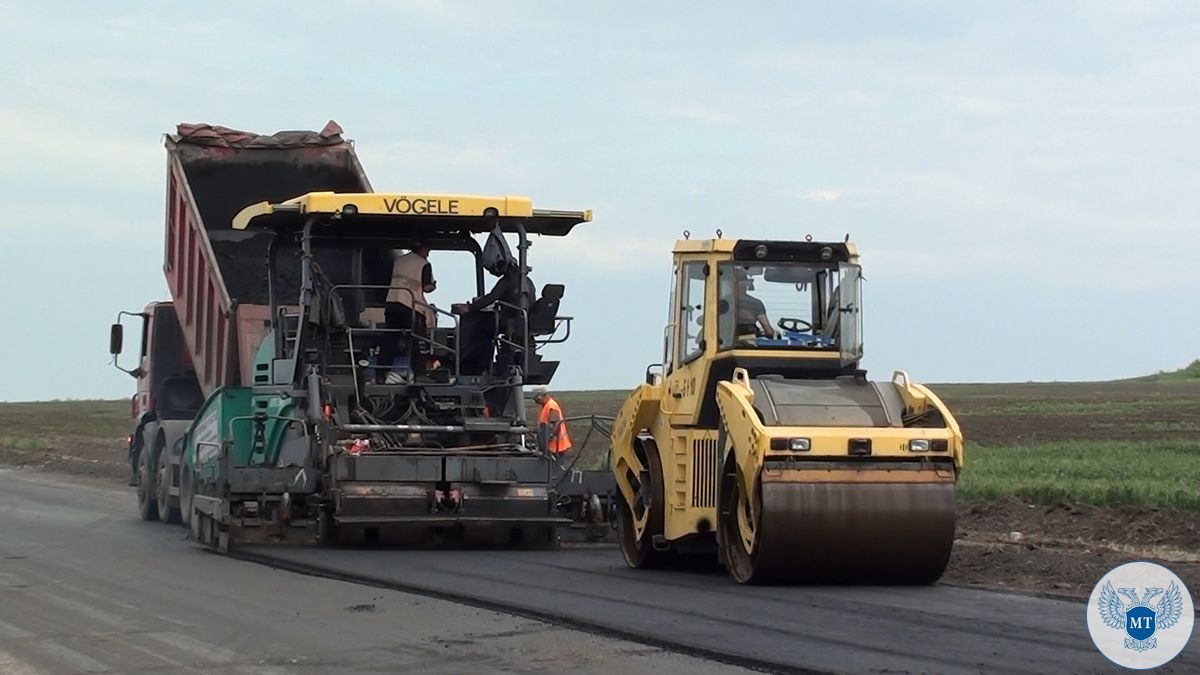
(216, 275)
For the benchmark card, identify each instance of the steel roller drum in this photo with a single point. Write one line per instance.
(854, 532)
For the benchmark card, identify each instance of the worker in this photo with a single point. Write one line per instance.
(406, 308)
(479, 329)
(751, 312)
(550, 422)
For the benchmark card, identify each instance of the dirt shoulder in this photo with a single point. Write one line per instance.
(1007, 545)
(106, 464)
(1064, 549)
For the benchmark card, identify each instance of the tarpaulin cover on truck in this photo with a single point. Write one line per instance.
(224, 137)
(227, 169)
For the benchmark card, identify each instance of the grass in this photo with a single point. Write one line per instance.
(91, 428)
(1190, 372)
(24, 443)
(1050, 408)
(1103, 473)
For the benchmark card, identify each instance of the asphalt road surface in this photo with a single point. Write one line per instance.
(933, 629)
(87, 587)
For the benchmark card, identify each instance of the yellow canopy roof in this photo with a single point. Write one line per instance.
(380, 205)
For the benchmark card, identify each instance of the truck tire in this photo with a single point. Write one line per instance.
(186, 490)
(162, 489)
(147, 503)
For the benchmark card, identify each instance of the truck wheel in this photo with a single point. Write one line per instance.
(134, 444)
(166, 513)
(186, 490)
(147, 504)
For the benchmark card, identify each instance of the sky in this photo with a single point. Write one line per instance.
(1022, 178)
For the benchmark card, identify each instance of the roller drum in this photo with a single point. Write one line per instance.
(861, 533)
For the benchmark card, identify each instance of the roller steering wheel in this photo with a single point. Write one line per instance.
(792, 325)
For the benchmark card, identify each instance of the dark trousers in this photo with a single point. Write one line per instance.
(400, 316)
(511, 355)
(478, 334)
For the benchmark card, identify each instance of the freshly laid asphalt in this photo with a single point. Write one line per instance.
(937, 629)
(85, 586)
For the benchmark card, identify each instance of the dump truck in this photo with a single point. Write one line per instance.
(760, 443)
(266, 410)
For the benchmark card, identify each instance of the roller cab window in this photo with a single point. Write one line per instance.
(789, 305)
(691, 312)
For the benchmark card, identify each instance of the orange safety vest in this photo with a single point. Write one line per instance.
(561, 442)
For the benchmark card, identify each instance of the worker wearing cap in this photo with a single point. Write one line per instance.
(751, 312)
(550, 418)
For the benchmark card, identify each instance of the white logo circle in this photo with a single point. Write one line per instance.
(1140, 615)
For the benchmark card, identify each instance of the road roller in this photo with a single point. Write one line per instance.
(760, 444)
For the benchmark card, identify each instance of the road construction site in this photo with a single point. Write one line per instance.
(89, 587)
(757, 500)
(1041, 527)
(437, 611)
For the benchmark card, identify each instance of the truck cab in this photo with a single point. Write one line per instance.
(168, 396)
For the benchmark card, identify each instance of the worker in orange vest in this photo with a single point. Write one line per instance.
(550, 420)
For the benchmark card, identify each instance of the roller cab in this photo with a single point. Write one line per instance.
(761, 442)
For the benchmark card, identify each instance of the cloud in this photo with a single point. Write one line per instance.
(431, 159)
(608, 252)
(821, 195)
(456, 15)
(153, 24)
(36, 142)
(694, 113)
(975, 105)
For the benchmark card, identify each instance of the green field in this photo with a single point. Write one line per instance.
(64, 426)
(1103, 473)
(1133, 442)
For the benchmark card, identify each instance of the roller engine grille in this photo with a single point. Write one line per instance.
(705, 468)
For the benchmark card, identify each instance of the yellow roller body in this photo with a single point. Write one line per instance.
(782, 460)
